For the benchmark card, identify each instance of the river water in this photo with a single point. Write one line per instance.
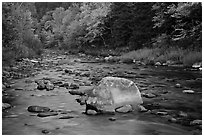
(159, 81)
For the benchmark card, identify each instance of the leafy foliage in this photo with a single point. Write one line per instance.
(19, 39)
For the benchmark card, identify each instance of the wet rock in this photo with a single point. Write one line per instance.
(45, 131)
(66, 85)
(76, 92)
(182, 114)
(188, 91)
(68, 71)
(196, 122)
(161, 113)
(69, 116)
(124, 109)
(38, 109)
(91, 112)
(77, 60)
(127, 60)
(11, 116)
(173, 120)
(49, 86)
(5, 106)
(142, 109)
(112, 119)
(41, 85)
(18, 88)
(197, 65)
(47, 114)
(178, 85)
(85, 74)
(148, 95)
(73, 86)
(82, 100)
(158, 64)
(113, 92)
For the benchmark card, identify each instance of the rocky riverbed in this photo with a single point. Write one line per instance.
(46, 96)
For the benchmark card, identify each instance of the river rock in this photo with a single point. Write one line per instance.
(91, 112)
(182, 114)
(148, 95)
(197, 65)
(142, 108)
(73, 86)
(76, 92)
(47, 114)
(49, 86)
(196, 122)
(158, 64)
(188, 91)
(68, 71)
(5, 106)
(124, 109)
(38, 109)
(178, 85)
(68, 116)
(112, 119)
(112, 93)
(82, 100)
(41, 85)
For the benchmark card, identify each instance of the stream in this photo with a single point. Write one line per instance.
(170, 110)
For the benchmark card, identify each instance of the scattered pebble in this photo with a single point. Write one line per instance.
(196, 122)
(124, 109)
(45, 131)
(112, 119)
(173, 120)
(161, 113)
(183, 114)
(178, 85)
(188, 91)
(5, 106)
(148, 95)
(11, 116)
(19, 88)
(91, 112)
(68, 116)
(47, 114)
(38, 109)
(142, 108)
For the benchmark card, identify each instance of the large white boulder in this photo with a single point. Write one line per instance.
(112, 93)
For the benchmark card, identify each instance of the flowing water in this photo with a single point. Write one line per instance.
(159, 81)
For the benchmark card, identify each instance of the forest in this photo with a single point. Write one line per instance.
(146, 31)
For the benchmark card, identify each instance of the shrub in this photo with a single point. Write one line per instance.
(192, 57)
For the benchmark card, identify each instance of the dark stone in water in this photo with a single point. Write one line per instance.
(47, 114)
(112, 119)
(68, 116)
(76, 92)
(45, 131)
(38, 109)
(73, 86)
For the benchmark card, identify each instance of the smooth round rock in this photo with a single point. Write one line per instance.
(113, 92)
(47, 114)
(38, 109)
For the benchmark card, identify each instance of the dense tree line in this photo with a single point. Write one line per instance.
(124, 25)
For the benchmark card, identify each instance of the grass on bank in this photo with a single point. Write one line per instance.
(176, 55)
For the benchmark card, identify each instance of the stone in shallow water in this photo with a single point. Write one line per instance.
(188, 91)
(124, 109)
(112, 93)
(5, 106)
(47, 114)
(38, 109)
(196, 122)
